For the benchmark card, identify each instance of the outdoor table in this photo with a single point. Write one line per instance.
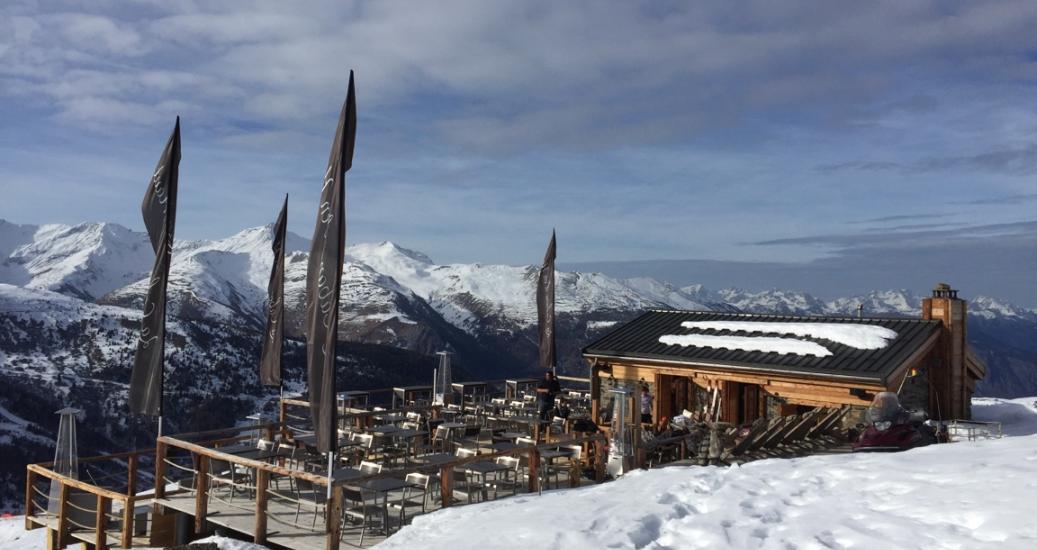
(511, 435)
(346, 474)
(384, 429)
(504, 446)
(383, 486)
(408, 436)
(548, 456)
(435, 459)
(483, 468)
(391, 418)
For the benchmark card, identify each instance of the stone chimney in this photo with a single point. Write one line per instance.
(951, 396)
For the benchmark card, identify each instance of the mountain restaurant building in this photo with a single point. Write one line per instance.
(748, 366)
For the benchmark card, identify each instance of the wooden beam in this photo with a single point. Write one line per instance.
(595, 393)
(131, 482)
(201, 496)
(75, 483)
(534, 470)
(262, 481)
(333, 523)
(100, 519)
(446, 486)
(61, 537)
(30, 481)
(127, 523)
(160, 469)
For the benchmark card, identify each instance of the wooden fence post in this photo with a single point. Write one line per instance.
(127, 522)
(534, 470)
(446, 486)
(201, 496)
(30, 481)
(599, 461)
(62, 531)
(160, 470)
(262, 480)
(334, 520)
(100, 519)
(131, 483)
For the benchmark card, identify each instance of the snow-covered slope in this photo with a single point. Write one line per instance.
(957, 496)
(469, 294)
(86, 260)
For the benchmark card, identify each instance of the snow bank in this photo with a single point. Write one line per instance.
(13, 535)
(1017, 416)
(765, 344)
(962, 496)
(848, 334)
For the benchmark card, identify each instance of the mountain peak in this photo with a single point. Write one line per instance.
(387, 250)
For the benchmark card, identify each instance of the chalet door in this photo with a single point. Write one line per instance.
(750, 406)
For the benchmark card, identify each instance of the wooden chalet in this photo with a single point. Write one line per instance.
(927, 361)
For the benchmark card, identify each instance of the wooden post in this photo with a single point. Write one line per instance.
(334, 520)
(574, 473)
(595, 394)
(160, 470)
(127, 523)
(599, 461)
(100, 537)
(534, 470)
(446, 486)
(684, 449)
(60, 537)
(262, 480)
(131, 482)
(201, 496)
(282, 415)
(30, 481)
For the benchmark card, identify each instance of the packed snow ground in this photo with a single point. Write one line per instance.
(958, 496)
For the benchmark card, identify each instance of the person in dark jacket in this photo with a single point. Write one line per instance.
(547, 389)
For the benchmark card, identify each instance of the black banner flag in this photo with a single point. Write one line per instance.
(546, 307)
(273, 336)
(323, 277)
(159, 209)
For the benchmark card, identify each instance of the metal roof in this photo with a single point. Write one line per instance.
(639, 339)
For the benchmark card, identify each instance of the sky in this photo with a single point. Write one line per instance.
(785, 133)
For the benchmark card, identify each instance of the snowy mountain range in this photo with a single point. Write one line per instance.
(70, 298)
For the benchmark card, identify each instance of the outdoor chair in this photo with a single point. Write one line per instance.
(223, 473)
(370, 468)
(361, 505)
(757, 429)
(309, 496)
(362, 451)
(388, 449)
(558, 468)
(441, 440)
(462, 488)
(415, 494)
(506, 480)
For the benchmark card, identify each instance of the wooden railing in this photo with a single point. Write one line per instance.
(201, 455)
(37, 515)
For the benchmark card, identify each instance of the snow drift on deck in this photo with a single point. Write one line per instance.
(963, 495)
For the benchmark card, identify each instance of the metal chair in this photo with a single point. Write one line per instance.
(362, 505)
(310, 496)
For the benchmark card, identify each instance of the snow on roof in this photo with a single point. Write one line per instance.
(854, 335)
(766, 344)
